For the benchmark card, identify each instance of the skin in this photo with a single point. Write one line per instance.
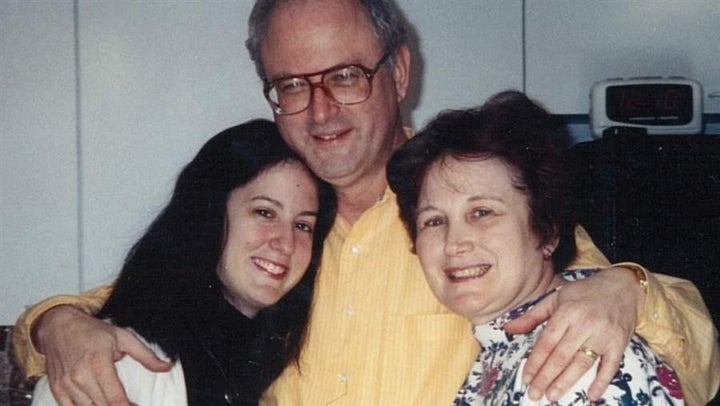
(349, 146)
(475, 241)
(582, 314)
(270, 223)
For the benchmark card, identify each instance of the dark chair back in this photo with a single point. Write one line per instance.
(654, 200)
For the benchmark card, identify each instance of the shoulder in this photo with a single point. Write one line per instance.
(145, 387)
(645, 376)
(42, 395)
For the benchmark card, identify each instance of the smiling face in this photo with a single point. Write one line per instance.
(475, 243)
(342, 144)
(270, 223)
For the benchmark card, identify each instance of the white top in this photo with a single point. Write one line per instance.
(143, 387)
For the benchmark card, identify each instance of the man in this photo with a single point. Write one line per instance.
(336, 72)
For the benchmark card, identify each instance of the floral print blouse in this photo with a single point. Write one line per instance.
(495, 378)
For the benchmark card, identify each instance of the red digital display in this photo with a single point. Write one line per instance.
(650, 104)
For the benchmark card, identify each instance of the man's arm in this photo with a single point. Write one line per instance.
(677, 325)
(29, 359)
(601, 313)
(77, 350)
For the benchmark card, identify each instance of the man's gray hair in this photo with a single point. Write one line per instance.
(386, 21)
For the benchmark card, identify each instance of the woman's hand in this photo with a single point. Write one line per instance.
(599, 314)
(80, 352)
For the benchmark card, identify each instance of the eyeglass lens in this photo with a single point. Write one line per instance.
(345, 85)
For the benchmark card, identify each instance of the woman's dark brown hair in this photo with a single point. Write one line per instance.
(512, 128)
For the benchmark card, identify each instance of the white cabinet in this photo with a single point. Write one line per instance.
(98, 117)
(38, 154)
(570, 44)
(158, 79)
(466, 51)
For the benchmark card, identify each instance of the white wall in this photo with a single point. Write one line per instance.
(572, 44)
(154, 81)
(102, 102)
(157, 80)
(38, 154)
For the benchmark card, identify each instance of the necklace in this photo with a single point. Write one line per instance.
(241, 390)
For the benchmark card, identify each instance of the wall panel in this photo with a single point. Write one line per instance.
(38, 159)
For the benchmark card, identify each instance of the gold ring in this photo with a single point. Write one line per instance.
(590, 353)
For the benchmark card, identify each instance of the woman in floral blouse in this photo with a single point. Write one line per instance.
(482, 195)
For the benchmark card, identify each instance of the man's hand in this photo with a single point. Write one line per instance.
(80, 351)
(598, 313)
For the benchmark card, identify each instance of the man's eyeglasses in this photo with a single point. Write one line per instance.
(345, 84)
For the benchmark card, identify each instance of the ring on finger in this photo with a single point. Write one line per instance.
(589, 352)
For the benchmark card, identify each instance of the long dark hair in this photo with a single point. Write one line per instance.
(169, 286)
(513, 128)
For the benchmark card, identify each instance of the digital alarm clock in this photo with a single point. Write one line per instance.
(670, 105)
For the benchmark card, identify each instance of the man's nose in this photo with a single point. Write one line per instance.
(322, 104)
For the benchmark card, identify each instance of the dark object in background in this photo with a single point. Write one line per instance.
(654, 200)
(14, 389)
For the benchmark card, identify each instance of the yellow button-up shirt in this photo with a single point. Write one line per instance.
(378, 336)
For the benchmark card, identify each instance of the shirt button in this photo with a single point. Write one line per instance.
(655, 316)
(355, 249)
(342, 378)
(349, 311)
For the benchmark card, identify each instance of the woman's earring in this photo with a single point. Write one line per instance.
(547, 252)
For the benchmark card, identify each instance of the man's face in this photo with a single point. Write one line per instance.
(342, 144)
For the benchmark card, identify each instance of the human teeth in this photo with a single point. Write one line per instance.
(328, 137)
(269, 266)
(472, 272)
